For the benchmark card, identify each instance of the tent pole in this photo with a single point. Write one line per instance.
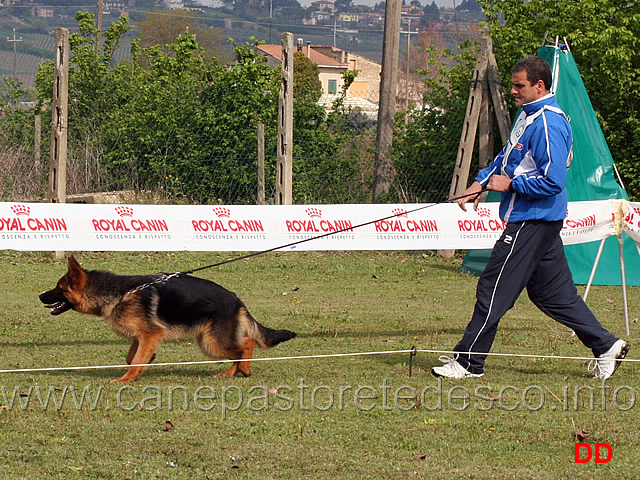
(593, 270)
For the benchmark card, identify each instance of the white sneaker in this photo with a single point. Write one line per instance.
(606, 364)
(452, 369)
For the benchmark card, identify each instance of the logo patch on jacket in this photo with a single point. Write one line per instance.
(518, 146)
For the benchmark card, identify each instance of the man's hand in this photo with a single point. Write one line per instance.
(499, 183)
(471, 193)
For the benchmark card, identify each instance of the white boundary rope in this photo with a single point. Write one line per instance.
(300, 357)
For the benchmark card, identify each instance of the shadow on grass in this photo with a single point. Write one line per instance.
(62, 343)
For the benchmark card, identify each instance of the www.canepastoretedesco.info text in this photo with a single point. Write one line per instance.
(305, 396)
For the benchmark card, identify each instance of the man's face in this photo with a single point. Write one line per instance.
(522, 90)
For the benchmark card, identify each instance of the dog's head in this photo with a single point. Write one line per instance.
(68, 291)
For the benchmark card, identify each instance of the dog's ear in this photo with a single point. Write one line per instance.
(77, 274)
(73, 264)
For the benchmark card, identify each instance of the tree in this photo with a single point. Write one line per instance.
(306, 79)
(470, 6)
(604, 37)
(431, 14)
(184, 129)
(343, 5)
(292, 14)
(162, 27)
(427, 139)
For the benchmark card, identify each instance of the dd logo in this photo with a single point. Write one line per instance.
(590, 453)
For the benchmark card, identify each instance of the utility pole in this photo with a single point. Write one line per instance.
(270, 18)
(384, 171)
(335, 25)
(406, 87)
(99, 24)
(284, 169)
(14, 41)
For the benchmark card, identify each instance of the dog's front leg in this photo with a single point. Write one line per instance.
(146, 345)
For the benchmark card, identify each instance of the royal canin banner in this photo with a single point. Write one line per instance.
(108, 227)
(632, 221)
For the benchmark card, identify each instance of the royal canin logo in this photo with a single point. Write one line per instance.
(485, 222)
(403, 224)
(124, 211)
(317, 224)
(30, 224)
(223, 223)
(400, 212)
(127, 223)
(21, 210)
(222, 212)
(313, 212)
(484, 212)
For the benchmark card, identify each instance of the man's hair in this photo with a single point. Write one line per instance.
(536, 68)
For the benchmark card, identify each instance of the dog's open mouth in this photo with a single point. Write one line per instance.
(58, 308)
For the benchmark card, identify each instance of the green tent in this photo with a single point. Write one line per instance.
(592, 176)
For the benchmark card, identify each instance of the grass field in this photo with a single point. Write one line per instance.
(322, 418)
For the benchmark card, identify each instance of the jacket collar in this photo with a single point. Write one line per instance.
(536, 105)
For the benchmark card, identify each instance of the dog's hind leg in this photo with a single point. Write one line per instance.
(146, 346)
(132, 352)
(243, 367)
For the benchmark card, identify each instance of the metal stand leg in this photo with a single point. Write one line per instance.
(624, 286)
(593, 270)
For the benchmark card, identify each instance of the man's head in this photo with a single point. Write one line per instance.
(531, 80)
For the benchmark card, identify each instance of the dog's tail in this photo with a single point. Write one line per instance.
(265, 337)
(271, 337)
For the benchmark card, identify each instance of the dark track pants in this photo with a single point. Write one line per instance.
(528, 254)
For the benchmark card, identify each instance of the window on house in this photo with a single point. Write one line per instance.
(332, 87)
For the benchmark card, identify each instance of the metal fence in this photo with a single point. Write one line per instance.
(142, 160)
(337, 167)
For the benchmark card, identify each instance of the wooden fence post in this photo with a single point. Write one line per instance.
(261, 197)
(284, 180)
(485, 98)
(57, 191)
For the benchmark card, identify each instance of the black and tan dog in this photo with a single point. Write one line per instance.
(149, 309)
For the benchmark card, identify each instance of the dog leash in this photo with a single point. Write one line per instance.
(165, 277)
(255, 254)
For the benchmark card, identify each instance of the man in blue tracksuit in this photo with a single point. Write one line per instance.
(530, 171)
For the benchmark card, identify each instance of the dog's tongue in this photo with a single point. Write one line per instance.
(58, 308)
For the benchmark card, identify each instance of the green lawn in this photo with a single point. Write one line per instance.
(321, 418)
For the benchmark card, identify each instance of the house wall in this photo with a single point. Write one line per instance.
(326, 74)
(367, 83)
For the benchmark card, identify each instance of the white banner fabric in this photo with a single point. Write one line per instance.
(108, 227)
(632, 221)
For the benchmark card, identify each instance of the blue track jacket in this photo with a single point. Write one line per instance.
(536, 157)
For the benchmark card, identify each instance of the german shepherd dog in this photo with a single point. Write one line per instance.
(148, 309)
